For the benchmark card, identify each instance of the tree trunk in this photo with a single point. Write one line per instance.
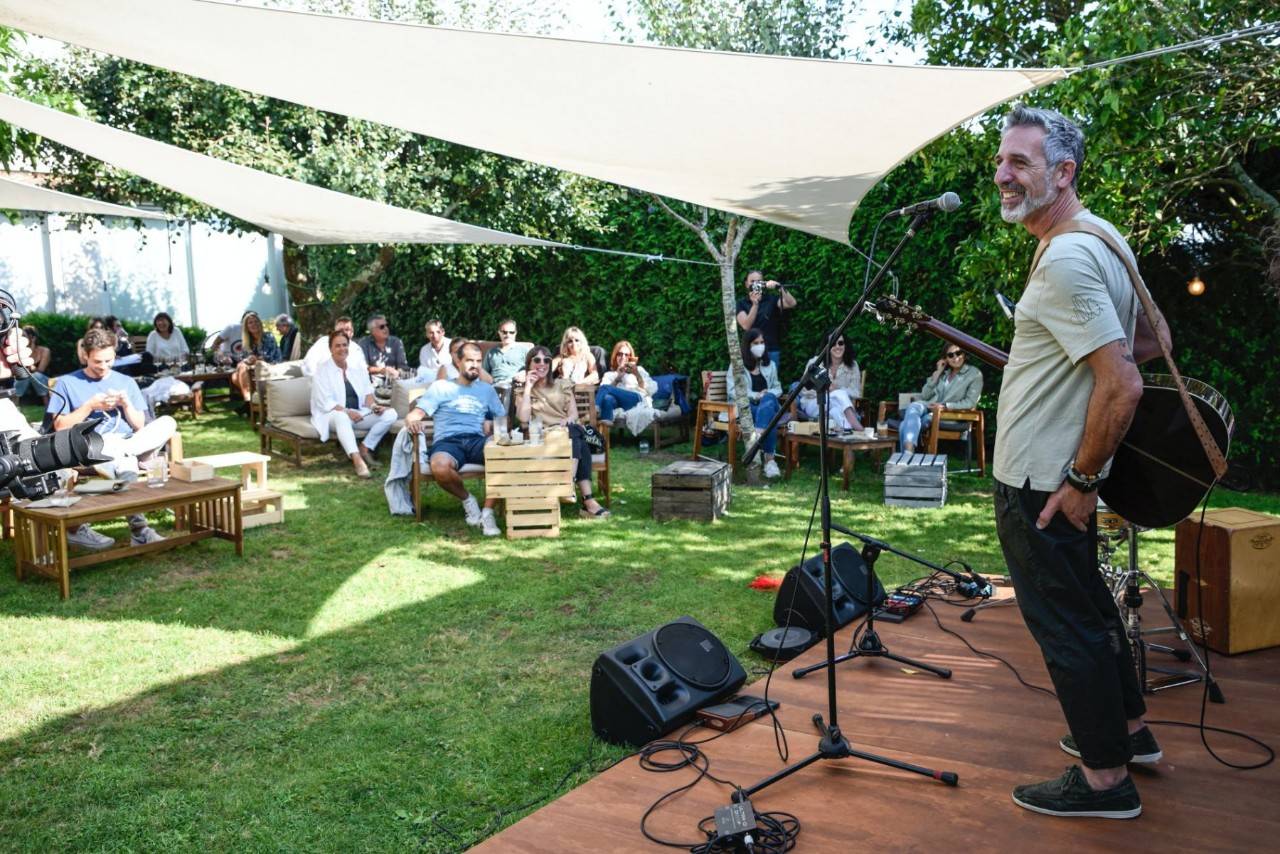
(314, 314)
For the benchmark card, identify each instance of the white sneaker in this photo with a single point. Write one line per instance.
(471, 509)
(142, 536)
(771, 469)
(88, 538)
(488, 524)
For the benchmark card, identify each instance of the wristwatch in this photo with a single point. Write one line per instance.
(1082, 482)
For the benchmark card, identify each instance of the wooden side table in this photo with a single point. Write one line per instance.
(847, 445)
(531, 480)
(259, 505)
(211, 508)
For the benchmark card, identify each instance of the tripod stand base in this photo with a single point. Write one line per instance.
(833, 745)
(870, 646)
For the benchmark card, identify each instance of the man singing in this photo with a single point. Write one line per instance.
(1070, 390)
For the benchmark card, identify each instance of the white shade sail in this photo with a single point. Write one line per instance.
(18, 196)
(796, 142)
(301, 212)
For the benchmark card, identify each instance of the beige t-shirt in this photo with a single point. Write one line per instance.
(1078, 299)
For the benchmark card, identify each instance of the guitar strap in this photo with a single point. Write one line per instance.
(1211, 449)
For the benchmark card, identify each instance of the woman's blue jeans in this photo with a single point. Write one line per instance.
(915, 419)
(762, 412)
(610, 398)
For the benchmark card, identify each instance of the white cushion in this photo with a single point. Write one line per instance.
(404, 393)
(597, 459)
(467, 469)
(288, 397)
(298, 425)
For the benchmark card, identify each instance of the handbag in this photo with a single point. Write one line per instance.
(594, 440)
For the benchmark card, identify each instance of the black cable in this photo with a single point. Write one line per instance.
(986, 654)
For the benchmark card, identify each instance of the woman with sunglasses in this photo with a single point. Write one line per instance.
(626, 390)
(846, 387)
(763, 391)
(575, 361)
(255, 344)
(551, 400)
(955, 384)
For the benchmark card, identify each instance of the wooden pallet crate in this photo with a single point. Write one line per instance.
(691, 489)
(915, 480)
(531, 480)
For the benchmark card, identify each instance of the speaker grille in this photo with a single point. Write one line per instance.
(693, 654)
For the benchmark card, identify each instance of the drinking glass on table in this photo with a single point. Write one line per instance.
(157, 470)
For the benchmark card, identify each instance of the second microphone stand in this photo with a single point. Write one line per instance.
(833, 744)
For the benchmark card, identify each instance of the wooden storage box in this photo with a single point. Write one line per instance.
(691, 489)
(190, 471)
(802, 428)
(915, 480)
(1239, 608)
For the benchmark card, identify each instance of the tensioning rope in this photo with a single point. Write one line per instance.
(1254, 32)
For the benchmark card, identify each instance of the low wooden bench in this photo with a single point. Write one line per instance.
(259, 504)
(209, 508)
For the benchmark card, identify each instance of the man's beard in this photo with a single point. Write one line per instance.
(1029, 204)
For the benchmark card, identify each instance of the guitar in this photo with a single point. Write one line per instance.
(1160, 471)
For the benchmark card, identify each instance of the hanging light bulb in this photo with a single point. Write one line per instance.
(1195, 287)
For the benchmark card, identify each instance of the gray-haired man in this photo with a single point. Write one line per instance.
(1069, 392)
(383, 351)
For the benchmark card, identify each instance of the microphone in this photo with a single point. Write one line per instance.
(946, 202)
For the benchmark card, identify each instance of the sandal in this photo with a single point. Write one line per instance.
(602, 513)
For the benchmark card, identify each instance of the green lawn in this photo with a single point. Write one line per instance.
(358, 681)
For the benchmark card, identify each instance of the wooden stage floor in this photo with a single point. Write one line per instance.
(981, 724)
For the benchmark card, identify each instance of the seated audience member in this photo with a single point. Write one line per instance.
(846, 387)
(256, 345)
(319, 351)
(624, 387)
(463, 410)
(575, 361)
(383, 351)
(552, 400)
(287, 334)
(507, 359)
(165, 343)
(954, 384)
(342, 400)
(451, 369)
(17, 350)
(763, 389)
(38, 382)
(112, 400)
(435, 352)
(124, 346)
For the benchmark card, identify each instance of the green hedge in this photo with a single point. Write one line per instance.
(60, 332)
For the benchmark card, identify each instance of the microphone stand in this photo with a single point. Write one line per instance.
(833, 744)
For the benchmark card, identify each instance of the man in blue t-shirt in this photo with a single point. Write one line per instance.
(112, 400)
(463, 411)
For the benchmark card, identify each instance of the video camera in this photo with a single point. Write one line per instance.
(29, 467)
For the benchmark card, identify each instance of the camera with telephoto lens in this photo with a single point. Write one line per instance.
(29, 467)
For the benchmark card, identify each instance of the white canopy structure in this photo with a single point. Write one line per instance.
(796, 142)
(301, 212)
(18, 196)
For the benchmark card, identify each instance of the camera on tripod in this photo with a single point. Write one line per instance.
(29, 467)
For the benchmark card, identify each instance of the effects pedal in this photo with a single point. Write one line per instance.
(902, 604)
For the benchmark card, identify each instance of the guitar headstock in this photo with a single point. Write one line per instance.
(900, 313)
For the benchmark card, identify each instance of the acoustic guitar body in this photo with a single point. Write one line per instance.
(1160, 472)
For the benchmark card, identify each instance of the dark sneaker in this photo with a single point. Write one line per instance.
(1071, 796)
(1142, 743)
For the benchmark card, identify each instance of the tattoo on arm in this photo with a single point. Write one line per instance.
(1126, 354)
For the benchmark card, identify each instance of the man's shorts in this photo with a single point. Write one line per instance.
(463, 449)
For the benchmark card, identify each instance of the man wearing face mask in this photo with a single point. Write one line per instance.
(762, 309)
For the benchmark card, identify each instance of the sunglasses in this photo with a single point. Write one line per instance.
(838, 344)
(506, 332)
(380, 326)
(540, 360)
(955, 354)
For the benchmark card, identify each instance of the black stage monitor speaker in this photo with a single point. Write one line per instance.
(804, 583)
(650, 685)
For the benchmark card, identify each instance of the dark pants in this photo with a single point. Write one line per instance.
(581, 453)
(1073, 618)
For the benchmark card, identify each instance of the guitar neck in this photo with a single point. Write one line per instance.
(993, 357)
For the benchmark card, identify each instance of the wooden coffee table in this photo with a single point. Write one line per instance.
(207, 508)
(848, 445)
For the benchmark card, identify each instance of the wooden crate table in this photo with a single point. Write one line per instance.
(846, 445)
(915, 480)
(691, 489)
(259, 504)
(531, 480)
(211, 508)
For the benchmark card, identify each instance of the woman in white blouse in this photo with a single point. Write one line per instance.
(342, 402)
(846, 387)
(164, 342)
(626, 390)
(575, 362)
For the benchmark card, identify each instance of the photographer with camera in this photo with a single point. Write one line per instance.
(762, 309)
(113, 401)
